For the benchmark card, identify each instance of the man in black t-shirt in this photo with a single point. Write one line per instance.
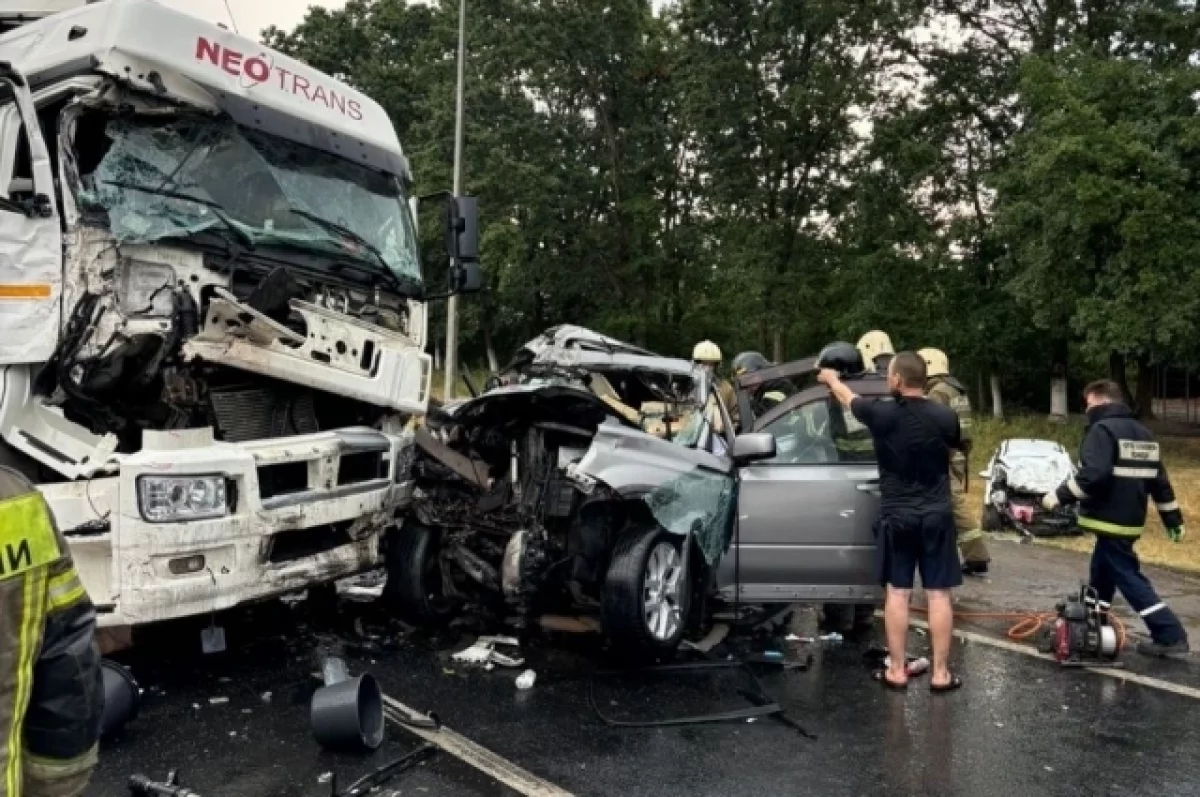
(913, 439)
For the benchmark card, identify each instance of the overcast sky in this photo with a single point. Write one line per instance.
(253, 15)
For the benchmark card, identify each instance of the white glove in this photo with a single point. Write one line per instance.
(1050, 501)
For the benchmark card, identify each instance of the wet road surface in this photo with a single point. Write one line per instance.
(1020, 726)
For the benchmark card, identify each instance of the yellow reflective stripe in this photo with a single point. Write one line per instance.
(32, 609)
(1110, 528)
(27, 539)
(65, 591)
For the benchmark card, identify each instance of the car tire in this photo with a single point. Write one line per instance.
(641, 615)
(414, 579)
(990, 521)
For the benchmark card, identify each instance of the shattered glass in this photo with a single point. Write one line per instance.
(215, 169)
(699, 503)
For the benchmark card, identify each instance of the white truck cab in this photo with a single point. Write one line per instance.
(212, 313)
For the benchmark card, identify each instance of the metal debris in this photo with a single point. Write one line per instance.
(484, 652)
(526, 679)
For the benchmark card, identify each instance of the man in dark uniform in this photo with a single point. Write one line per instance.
(1120, 465)
(913, 439)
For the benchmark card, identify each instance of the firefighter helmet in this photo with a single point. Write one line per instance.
(706, 352)
(841, 357)
(747, 362)
(875, 343)
(936, 362)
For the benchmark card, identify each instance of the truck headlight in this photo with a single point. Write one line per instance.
(166, 499)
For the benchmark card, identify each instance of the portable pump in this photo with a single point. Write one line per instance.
(1083, 634)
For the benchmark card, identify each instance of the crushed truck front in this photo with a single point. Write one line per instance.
(212, 314)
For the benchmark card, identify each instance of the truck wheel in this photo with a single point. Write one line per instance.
(990, 521)
(647, 593)
(414, 583)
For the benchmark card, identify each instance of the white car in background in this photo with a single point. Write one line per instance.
(1019, 474)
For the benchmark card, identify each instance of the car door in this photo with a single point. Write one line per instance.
(30, 231)
(805, 518)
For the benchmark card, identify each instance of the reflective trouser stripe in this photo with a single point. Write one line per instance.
(1075, 489)
(46, 777)
(970, 535)
(33, 598)
(1109, 528)
(1169, 506)
(1155, 608)
(65, 591)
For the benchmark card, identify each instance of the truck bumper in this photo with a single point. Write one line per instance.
(303, 511)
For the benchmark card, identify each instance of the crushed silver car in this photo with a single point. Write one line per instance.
(590, 476)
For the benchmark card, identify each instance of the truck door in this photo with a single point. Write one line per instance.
(30, 231)
(805, 517)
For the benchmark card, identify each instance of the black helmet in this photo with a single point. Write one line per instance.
(747, 362)
(842, 357)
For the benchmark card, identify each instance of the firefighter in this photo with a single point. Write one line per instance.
(768, 394)
(945, 389)
(1119, 465)
(851, 439)
(51, 693)
(707, 355)
(877, 351)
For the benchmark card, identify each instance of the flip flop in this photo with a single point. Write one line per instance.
(955, 684)
(888, 683)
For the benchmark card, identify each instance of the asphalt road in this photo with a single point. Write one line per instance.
(1020, 726)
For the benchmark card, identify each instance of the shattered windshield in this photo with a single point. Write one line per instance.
(176, 177)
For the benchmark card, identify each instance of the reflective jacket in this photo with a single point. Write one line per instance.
(51, 697)
(1120, 464)
(949, 391)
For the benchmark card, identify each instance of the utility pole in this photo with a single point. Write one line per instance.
(452, 304)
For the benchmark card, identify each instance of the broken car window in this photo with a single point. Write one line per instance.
(820, 432)
(256, 182)
(699, 503)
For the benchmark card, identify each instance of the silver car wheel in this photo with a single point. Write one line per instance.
(660, 591)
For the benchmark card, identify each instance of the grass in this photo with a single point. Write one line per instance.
(1182, 456)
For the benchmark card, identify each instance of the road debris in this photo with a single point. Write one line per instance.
(807, 640)
(569, 625)
(347, 713)
(714, 637)
(483, 652)
(525, 680)
(833, 636)
(218, 701)
(142, 786)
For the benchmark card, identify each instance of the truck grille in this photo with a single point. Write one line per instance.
(262, 413)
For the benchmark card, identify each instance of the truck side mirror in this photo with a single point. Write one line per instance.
(462, 242)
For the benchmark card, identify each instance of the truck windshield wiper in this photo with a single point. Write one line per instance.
(215, 207)
(354, 237)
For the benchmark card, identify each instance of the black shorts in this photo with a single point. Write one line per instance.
(927, 543)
